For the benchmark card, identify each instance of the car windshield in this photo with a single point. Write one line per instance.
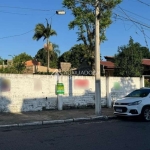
(139, 93)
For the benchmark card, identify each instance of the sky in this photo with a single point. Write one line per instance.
(19, 17)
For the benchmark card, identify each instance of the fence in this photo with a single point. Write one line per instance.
(24, 92)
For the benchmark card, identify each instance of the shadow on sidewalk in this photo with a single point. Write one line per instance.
(13, 118)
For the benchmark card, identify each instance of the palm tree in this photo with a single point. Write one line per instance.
(56, 49)
(45, 32)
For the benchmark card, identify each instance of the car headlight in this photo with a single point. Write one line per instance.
(135, 103)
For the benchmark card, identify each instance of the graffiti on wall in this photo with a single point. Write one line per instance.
(81, 83)
(5, 85)
(117, 91)
(37, 85)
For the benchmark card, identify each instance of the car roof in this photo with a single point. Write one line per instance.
(145, 88)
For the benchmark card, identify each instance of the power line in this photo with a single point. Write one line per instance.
(136, 15)
(14, 13)
(24, 32)
(143, 2)
(132, 19)
(122, 18)
(16, 35)
(144, 36)
(33, 9)
(134, 22)
(11, 13)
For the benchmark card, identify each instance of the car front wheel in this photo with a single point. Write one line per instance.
(146, 113)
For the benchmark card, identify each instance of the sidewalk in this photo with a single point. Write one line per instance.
(52, 116)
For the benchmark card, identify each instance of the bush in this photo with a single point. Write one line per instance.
(147, 83)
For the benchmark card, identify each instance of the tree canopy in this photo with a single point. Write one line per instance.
(84, 20)
(78, 54)
(65, 57)
(145, 52)
(42, 56)
(43, 31)
(1, 61)
(19, 62)
(17, 65)
(128, 61)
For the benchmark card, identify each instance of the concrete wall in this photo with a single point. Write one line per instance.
(37, 92)
(118, 87)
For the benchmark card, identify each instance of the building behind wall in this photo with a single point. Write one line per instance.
(109, 66)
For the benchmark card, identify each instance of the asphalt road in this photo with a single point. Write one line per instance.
(98, 135)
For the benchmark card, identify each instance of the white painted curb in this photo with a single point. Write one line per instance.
(68, 120)
(30, 123)
(81, 119)
(97, 117)
(53, 121)
(9, 125)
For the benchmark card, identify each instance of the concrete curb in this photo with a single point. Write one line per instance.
(60, 121)
(30, 123)
(97, 117)
(68, 120)
(53, 121)
(81, 119)
(9, 125)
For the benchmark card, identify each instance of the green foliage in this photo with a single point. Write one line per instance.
(84, 21)
(9, 69)
(23, 57)
(18, 65)
(65, 57)
(45, 73)
(19, 62)
(43, 31)
(128, 61)
(145, 52)
(147, 83)
(84, 17)
(76, 55)
(41, 56)
(1, 61)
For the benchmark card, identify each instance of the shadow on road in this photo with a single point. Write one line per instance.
(131, 119)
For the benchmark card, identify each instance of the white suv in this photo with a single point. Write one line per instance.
(134, 104)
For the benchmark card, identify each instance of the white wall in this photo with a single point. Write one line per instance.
(37, 92)
(118, 87)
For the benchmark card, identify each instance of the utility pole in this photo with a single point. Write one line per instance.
(97, 61)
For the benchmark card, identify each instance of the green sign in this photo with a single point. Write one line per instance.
(59, 88)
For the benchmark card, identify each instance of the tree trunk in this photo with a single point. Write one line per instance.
(47, 56)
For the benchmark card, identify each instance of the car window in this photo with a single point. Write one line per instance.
(139, 93)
